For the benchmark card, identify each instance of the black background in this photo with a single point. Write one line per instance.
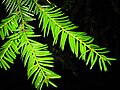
(101, 20)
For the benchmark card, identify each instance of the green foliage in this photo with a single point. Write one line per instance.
(19, 34)
(54, 20)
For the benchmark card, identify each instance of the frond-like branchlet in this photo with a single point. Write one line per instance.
(35, 55)
(37, 59)
(11, 5)
(8, 52)
(9, 25)
(54, 20)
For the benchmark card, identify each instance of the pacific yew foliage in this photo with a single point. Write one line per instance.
(19, 36)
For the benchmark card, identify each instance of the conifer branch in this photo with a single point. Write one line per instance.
(35, 55)
(54, 20)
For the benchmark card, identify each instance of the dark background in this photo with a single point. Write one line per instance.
(101, 20)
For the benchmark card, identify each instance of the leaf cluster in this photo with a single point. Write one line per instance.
(15, 28)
